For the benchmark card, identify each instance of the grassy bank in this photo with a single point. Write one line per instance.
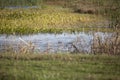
(48, 19)
(56, 16)
(59, 67)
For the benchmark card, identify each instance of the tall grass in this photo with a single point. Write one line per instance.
(113, 13)
(108, 8)
(110, 45)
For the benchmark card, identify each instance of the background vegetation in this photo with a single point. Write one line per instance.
(49, 19)
(59, 16)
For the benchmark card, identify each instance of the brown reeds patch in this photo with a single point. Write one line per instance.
(110, 45)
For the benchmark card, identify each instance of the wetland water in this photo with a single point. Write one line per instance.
(52, 43)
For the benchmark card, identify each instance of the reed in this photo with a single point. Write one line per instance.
(110, 45)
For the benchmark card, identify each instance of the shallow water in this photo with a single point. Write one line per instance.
(52, 43)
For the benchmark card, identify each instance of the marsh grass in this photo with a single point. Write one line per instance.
(50, 19)
(107, 8)
(58, 66)
(110, 45)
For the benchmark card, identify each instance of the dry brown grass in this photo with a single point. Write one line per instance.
(111, 45)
